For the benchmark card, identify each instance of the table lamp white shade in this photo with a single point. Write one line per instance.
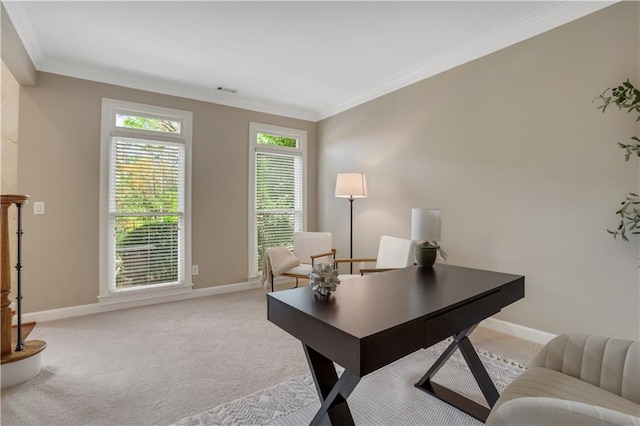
(351, 185)
(425, 224)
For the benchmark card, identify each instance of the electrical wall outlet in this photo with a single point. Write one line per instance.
(194, 270)
(38, 207)
(361, 265)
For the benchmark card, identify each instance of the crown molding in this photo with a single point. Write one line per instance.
(557, 13)
(173, 88)
(27, 27)
(552, 16)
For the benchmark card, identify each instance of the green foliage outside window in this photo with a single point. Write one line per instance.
(265, 139)
(148, 253)
(146, 123)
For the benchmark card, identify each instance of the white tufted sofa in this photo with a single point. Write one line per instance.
(575, 379)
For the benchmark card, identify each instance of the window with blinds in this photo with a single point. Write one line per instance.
(147, 211)
(278, 204)
(145, 225)
(278, 200)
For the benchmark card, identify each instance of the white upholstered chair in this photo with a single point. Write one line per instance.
(576, 379)
(393, 253)
(310, 248)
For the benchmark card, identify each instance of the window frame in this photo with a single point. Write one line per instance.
(110, 109)
(253, 275)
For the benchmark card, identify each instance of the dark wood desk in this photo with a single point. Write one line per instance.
(374, 320)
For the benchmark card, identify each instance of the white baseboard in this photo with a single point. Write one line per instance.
(527, 333)
(95, 308)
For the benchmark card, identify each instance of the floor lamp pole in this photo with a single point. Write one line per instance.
(351, 186)
(351, 234)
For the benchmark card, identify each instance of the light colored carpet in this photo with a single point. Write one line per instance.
(385, 397)
(158, 364)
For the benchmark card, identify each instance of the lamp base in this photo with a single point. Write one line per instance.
(426, 254)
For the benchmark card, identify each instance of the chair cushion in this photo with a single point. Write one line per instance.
(302, 269)
(343, 277)
(544, 382)
(539, 410)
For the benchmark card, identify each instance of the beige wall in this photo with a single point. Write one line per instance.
(17, 69)
(60, 162)
(9, 156)
(9, 133)
(523, 165)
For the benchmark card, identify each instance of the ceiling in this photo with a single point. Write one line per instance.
(299, 59)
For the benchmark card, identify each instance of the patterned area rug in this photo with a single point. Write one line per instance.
(385, 397)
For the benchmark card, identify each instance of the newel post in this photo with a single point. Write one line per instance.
(5, 277)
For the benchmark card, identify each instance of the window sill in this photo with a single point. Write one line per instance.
(146, 293)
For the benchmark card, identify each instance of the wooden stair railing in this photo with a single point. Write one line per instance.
(13, 348)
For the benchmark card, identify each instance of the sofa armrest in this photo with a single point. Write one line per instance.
(551, 411)
(609, 363)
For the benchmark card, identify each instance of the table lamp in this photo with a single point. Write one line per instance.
(351, 186)
(425, 226)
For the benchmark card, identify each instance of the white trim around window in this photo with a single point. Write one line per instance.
(254, 148)
(180, 137)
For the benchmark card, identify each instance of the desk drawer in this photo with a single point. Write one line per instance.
(457, 319)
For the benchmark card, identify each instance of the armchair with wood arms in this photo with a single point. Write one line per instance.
(393, 253)
(309, 249)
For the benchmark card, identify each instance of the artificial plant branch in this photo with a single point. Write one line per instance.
(629, 218)
(625, 96)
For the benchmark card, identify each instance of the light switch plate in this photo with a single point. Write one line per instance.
(38, 207)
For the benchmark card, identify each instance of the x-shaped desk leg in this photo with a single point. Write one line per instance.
(333, 392)
(461, 341)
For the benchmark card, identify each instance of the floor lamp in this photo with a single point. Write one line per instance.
(351, 186)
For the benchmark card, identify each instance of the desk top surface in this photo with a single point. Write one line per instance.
(373, 303)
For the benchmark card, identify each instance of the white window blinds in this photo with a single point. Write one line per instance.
(146, 210)
(277, 192)
(279, 202)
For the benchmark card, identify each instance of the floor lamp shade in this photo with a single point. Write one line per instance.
(425, 226)
(351, 186)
